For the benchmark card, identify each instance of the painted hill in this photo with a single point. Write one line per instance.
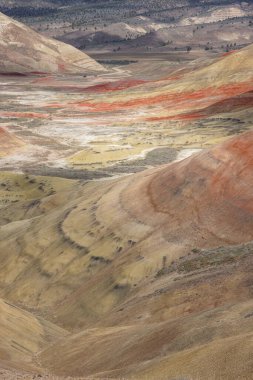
(23, 50)
(138, 267)
(204, 201)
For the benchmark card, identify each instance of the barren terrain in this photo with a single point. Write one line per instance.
(126, 221)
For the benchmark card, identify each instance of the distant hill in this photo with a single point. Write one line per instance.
(113, 24)
(23, 50)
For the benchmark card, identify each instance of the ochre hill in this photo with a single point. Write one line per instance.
(195, 313)
(158, 326)
(22, 50)
(137, 267)
(115, 234)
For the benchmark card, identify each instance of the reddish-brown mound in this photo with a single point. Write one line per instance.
(114, 86)
(242, 101)
(212, 189)
(204, 200)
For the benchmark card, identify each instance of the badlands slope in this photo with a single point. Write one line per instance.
(23, 50)
(150, 273)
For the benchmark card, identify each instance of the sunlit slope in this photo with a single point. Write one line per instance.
(86, 249)
(24, 50)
